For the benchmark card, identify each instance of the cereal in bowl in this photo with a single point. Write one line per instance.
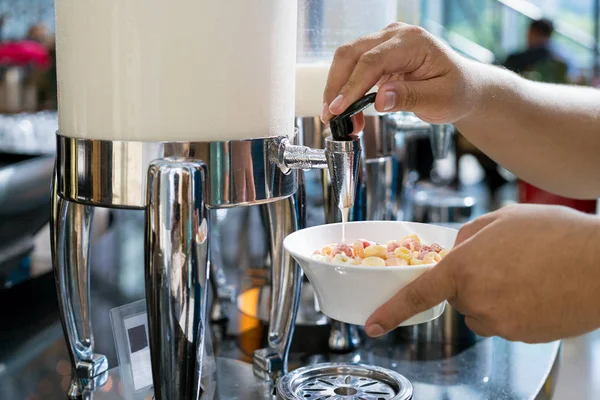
(406, 251)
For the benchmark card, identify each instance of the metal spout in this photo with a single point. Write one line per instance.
(441, 139)
(341, 157)
(343, 160)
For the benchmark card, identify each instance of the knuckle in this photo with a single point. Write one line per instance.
(464, 233)
(395, 26)
(410, 98)
(511, 208)
(468, 230)
(414, 30)
(344, 52)
(370, 59)
(351, 84)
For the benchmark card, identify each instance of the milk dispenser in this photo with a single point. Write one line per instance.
(175, 107)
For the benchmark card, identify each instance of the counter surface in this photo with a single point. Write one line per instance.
(33, 357)
(492, 369)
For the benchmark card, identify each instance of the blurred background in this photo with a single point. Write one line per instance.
(546, 40)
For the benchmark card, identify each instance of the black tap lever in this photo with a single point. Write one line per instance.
(342, 125)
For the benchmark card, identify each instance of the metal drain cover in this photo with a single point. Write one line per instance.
(344, 381)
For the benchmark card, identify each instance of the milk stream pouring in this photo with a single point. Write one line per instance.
(176, 70)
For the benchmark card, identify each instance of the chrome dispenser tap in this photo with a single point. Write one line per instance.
(341, 154)
(441, 139)
(440, 136)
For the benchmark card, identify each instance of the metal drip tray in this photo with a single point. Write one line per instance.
(344, 381)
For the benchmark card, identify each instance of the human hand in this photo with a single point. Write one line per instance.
(524, 273)
(413, 70)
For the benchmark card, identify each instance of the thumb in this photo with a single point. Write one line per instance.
(427, 291)
(413, 96)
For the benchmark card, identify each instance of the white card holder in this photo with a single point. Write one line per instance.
(130, 330)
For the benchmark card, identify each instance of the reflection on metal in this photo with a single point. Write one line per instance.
(176, 275)
(255, 303)
(286, 281)
(113, 173)
(441, 205)
(448, 329)
(343, 337)
(441, 139)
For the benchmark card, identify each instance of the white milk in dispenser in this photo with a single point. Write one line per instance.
(175, 70)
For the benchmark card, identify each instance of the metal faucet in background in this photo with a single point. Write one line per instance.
(404, 130)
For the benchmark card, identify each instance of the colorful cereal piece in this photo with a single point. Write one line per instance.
(374, 262)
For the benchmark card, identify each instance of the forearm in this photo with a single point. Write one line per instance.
(548, 135)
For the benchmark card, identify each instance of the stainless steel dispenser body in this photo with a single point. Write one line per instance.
(176, 184)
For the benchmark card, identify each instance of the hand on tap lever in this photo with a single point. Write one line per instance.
(413, 72)
(526, 273)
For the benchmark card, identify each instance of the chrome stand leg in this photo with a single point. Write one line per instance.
(343, 337)
(286, 282)
(380, 194)
(217, 311)
(222, 291)
(176, 276)
(70, 227)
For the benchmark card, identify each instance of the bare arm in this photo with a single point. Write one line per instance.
(546, 134)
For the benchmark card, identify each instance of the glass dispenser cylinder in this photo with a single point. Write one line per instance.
(323, 26)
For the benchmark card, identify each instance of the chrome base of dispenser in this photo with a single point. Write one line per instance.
(224, 293)
(83, 389)
(286, 280)
(89, 369)
(431, 205)
(113, 173)
(177, 271)
(70, 234)
(343, 338)
(341, 381)
(449, 329)
(177, 183)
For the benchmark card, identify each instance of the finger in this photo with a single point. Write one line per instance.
(427, 291)
(479, 326)
(398, 55)
(469, 229)
(343, 64)
(389, 78)
(423, 97)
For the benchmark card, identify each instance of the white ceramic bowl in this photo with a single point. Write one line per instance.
(352, 293)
